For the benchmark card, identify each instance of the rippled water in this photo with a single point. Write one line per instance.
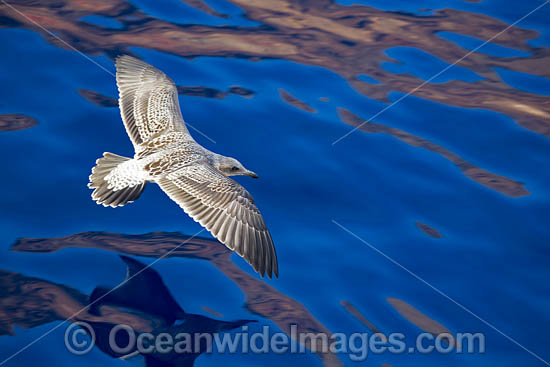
(451, 182)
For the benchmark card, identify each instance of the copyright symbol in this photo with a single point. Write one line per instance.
(79, 338)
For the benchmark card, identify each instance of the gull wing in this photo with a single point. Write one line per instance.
(148, 101)
(226, 210)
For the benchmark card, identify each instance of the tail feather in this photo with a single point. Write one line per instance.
(108, 196)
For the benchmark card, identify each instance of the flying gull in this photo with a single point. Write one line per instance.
(194, 177)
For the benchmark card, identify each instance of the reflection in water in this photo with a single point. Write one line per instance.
(201, 5)
(211, 311)
(261, 298)
(491, 180)
(143, 303)
(29, 302)
(355, 312)
(39, 301)
(98, 98)
(291, 100)
(430, 231)
(419, 319)
(349, 40)
(16, 121)
(198, 91)
(145, 292)
(207, 92)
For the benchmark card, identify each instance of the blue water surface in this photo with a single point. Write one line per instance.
(487, 274)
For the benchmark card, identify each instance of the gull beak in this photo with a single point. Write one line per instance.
(251, 174)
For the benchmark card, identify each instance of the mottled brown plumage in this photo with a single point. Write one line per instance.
(192, 176)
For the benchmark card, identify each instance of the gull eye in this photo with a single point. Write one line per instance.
(234, 168)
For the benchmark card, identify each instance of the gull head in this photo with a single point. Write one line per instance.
(232, 167)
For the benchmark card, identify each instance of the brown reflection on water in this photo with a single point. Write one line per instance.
(201, 5)
(200, 91)
(30, 302)
(98, 98)
(293, 101)
(491, 180)
(212, 312)
(194, 91)
(261, 298)
(349, 40)
(419, 319)
(359, 316)
(16, 121)
(430, 231)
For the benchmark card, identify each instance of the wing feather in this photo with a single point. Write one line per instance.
(225, 209)
(148, 100)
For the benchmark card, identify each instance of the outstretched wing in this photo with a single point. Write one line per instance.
(225, 209)
(148, 100)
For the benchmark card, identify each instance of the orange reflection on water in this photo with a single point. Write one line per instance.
(349, 40)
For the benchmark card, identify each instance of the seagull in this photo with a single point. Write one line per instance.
(191, 175)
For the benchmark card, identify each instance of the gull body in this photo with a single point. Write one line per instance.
(191, 175)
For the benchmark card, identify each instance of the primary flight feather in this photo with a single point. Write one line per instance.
(194, 177)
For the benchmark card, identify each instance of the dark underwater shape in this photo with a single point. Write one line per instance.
(192, 325)
(261, 298)
(31, 302)
(144, 291)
